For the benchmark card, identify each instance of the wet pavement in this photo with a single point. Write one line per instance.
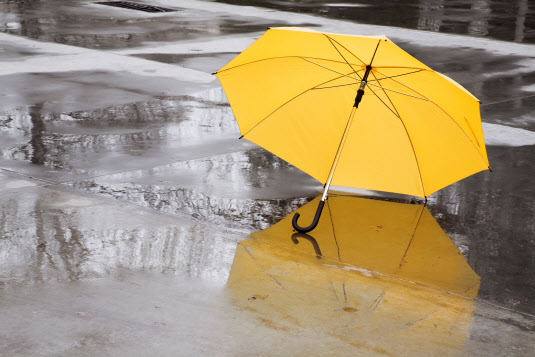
(127, 202)
(497, 19)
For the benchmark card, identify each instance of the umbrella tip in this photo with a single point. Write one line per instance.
(240, 137)
(213, 74)
(490, 169)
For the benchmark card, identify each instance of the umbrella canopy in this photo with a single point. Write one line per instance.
(355, 111)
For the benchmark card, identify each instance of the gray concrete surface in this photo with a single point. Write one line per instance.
(125, 192)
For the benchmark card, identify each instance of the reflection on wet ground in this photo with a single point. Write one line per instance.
(52, 235)
(380, 276)
(143, 172)
(378, 237)
(499, 19)
(360, 287)
(493, 217)
(242, 189)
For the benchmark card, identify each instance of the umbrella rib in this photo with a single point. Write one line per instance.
(282, 105)
(340, 85)
(386, 105)
(332, 225)
(406, 132)
(332, 70)
(412, 237)
(279, 57)
(332, 39)
(408, 67)
(395, 91)
(375, 52)
(378, 81)
(340, 53)
(339, 150)
(448, 114)
(397, 75)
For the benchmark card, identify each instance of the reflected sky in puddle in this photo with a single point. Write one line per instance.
(59, 236)
(242, 189)
(119, 138)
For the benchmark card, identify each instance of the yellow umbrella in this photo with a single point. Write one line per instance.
(295, 92)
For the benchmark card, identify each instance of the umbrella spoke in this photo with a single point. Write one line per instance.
(406, 132)
(397, 75)
(332, 70)
(375, 52)
(340, 53)
(386, 105)
(395, 91)
(275, 58)
(340, 85)
(333, 40)
(423, 69)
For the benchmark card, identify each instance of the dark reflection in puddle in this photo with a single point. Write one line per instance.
(499, 19)
(492, 215)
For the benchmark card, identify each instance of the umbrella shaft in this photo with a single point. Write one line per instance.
(338, 152)
(360, 92)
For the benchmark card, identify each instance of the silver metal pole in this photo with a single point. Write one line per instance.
(340, 147)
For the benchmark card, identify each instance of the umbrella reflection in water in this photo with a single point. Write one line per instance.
(378, 275)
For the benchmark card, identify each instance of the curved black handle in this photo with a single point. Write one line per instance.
(311, 239)
(314, 222)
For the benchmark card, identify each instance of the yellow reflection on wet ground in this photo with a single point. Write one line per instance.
(379, 276)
